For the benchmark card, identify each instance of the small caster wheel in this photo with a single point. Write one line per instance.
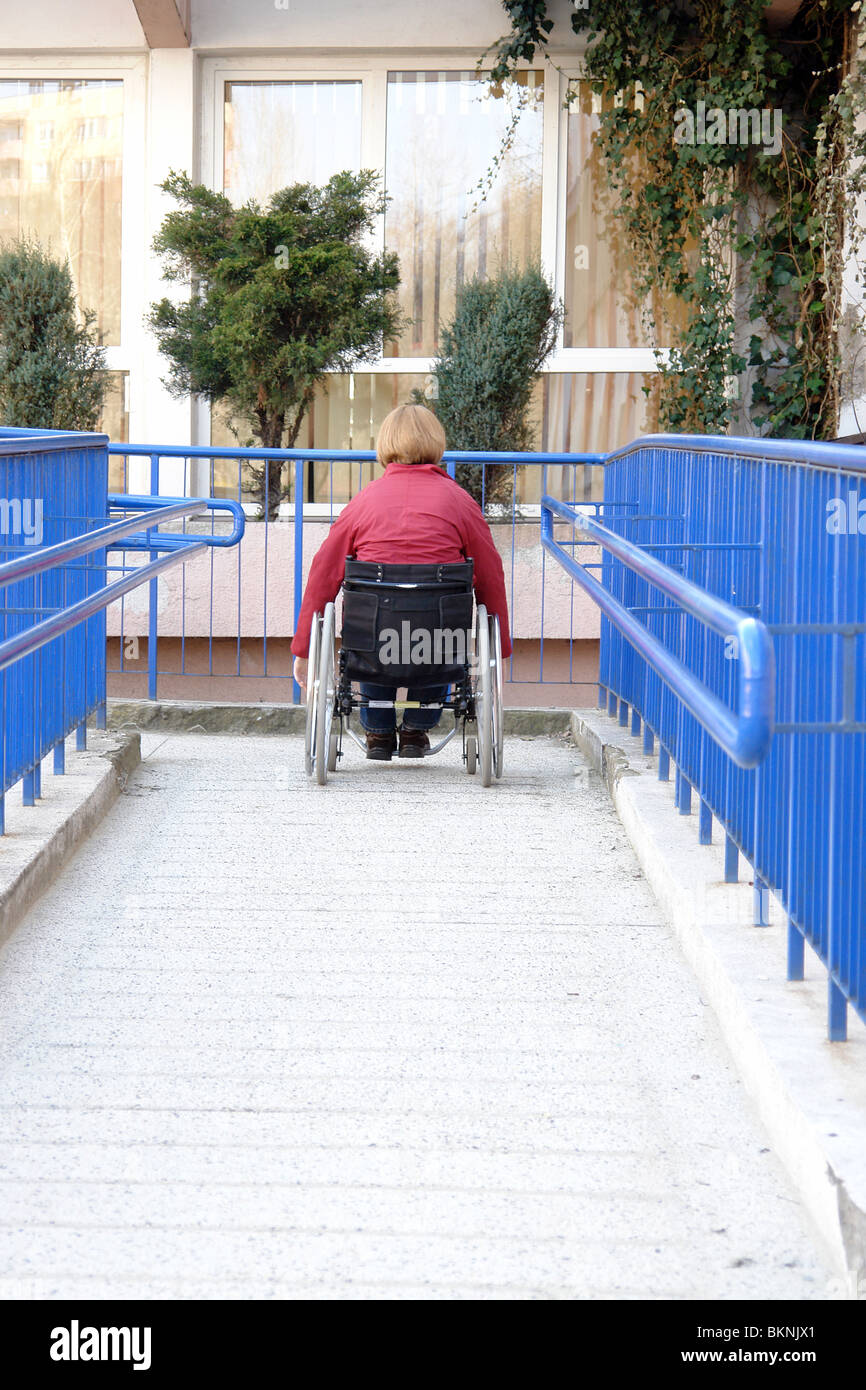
(471, 754)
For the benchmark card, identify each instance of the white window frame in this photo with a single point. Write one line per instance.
(372, 73)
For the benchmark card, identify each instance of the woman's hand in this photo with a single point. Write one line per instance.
(299, 671)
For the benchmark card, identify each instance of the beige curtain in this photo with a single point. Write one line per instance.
(600, 310)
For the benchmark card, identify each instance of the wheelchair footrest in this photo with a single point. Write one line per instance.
(401, 704)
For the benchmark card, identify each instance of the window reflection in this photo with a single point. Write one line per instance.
(599, 310)
(60, 181)
(570, 412)
(280, 133)
(444, 130)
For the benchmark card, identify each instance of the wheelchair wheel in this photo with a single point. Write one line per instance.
(333, 748)
(312, 677)
(325, 694)
(498, 729)
(484, 696)
(471, 754)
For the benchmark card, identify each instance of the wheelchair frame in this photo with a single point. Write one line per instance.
(475, 699)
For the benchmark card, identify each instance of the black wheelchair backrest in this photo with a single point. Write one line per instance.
(407, 612)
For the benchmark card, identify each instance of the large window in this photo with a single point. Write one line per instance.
(60, 180)
(444, 131)
(476, 178)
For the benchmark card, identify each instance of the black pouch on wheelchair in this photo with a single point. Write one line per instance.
(360, 614)
(406, 624)
(455, 612)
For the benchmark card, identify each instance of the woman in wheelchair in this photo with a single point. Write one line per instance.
(414, 514)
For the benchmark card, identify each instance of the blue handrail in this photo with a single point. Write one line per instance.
(171, 507)
(51, 596)
(744, 736)
(772, 528)
(851, 457)
(15, 441)
(23, 643)
(119, 535)
(105, 538)
(191, 451)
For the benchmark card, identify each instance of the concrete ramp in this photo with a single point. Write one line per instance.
(398, 1037)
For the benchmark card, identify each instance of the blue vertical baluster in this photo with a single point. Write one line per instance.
(796, 952)
(543, 579)
(732, 856)
(837, 1013)
(5, 731)
(299, 558)
(760, 902)
(153, 597)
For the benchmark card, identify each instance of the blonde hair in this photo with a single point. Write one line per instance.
(410, 434)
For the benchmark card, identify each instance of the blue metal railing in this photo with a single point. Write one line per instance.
(745, 734)
(195, 470)
(52, 592)
(710, 546)
(45, 696)
(709, 549)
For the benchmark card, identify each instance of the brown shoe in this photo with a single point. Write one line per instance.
(381, 746)
(414, 743)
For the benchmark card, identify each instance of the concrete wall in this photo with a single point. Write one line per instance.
(252, 589)
(220, 24)
(562, 674)
(89, 24)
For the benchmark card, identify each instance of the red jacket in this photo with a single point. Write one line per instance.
(413, 515)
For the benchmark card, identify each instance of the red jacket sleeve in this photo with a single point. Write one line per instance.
(489, 574)
(326, 575)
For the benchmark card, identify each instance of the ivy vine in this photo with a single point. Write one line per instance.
(753, 231)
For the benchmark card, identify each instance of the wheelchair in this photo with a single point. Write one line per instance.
(406, 625)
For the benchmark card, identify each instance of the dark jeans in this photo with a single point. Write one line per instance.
(383, 721)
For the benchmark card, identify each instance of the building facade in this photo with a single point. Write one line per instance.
(99, 101)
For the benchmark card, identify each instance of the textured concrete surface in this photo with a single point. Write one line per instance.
(180, 716)
(397, 1037)
(39, 839)
(810, 1093)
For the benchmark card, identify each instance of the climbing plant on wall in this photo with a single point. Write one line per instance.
(734, 158)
